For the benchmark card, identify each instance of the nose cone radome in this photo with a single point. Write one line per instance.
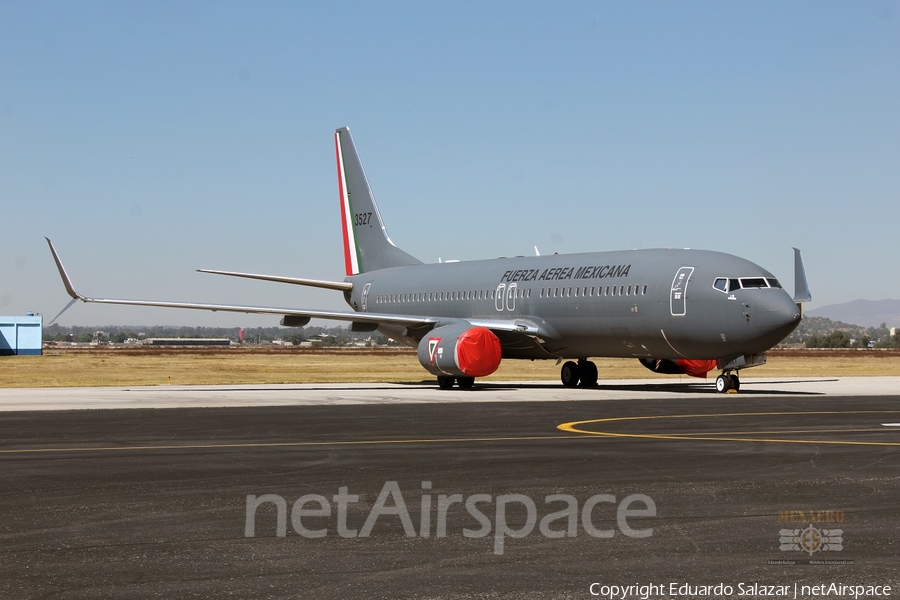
(777, 313)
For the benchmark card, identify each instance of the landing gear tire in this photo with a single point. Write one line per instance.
(735, 382)
(570, 374)
(588, 373)
(465, 383)
(445, 383)
(723, 383)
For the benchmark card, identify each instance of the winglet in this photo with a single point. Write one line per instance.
(65, 276)
(801, 285)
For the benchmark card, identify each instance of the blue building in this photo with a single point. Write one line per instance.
(21, 335)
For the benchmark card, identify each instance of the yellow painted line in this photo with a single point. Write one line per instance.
(737, 439)
(576, 427)
(287, 444)
(740, 414)
(787, 431)
(571, 427)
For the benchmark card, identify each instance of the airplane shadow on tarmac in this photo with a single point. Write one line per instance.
(668, 387)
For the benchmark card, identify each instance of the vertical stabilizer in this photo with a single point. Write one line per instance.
(367, 246)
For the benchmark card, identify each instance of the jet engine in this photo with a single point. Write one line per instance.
(460, 350)
(681, 366)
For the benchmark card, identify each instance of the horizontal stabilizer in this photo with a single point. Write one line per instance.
(343, 286)
(292, 316)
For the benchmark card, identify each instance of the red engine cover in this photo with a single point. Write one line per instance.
(696, 368)
(478, 352)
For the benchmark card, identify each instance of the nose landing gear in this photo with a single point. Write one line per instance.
(728, 381)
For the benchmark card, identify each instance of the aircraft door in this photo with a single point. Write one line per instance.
(511, 296)
(678, 295)
(498, 298)
(365, 297)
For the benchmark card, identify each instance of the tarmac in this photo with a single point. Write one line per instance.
(510, 490)
(211, 396)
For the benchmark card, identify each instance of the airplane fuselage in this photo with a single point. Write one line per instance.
(660, 303)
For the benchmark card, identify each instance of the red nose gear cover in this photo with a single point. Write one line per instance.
(696, 368)
(478, 352)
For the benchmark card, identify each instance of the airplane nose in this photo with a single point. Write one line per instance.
(776, 310)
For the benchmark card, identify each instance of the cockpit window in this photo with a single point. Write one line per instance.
(724, 284)
(753, 282)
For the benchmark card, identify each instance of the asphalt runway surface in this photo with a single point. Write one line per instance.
(780, 485)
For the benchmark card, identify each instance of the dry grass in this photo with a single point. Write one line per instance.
(196, 366)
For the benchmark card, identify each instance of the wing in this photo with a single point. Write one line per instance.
(522, 337)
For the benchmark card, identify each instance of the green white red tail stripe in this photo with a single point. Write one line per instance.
(351, 250)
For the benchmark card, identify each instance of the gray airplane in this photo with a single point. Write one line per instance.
(677, 311)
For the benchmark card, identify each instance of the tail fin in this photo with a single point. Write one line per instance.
(367, 246)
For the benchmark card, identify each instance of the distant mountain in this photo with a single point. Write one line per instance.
(866, 313)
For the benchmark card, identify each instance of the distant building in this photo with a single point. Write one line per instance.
(21, 335)
(187, 342)
(893, 331)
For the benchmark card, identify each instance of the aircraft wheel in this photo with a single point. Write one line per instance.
(723, 383)
(569, 374)
(465, 383)
(735, 382)
(588, 374)
(445, 383)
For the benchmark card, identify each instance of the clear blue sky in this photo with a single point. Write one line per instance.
(148, 139)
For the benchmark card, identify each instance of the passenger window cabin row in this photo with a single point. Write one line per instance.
(555, 292)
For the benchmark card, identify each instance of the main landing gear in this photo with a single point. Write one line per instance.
(584, 371)
(728, 381)
(465, 383)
